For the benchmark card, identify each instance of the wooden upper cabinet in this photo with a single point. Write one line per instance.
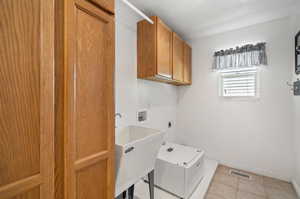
(154, 50)
(178, 58)
(27, 99)
(107, 5)
(187, 64)
(164, 50)
(160, 53)
(146, 49)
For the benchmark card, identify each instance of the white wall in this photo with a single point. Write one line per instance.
(132, 94)
(295, 27)
(254, 135)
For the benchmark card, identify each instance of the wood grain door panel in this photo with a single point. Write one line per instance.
(178, 49)
(164, 50)
(147, 48)
(26, 99)
(92, 99)
(33, 193)
(187, 72)
(20, 127)
(105, 4)
(96, 176)
(90, 102)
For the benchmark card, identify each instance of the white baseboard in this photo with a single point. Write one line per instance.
(296, 187)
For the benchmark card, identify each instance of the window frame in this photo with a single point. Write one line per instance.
(237, 73)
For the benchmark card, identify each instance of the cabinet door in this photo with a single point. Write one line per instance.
(89, 102)
(105, 4)
(187, 70)
(178, 49)
(164, 50)
(26, 99)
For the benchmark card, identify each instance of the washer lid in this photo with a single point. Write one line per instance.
(178, 154)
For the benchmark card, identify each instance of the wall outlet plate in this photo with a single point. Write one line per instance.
(297, 53)
(297, 87)
(142, 116)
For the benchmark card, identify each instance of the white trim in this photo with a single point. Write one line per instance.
(296, 187)
(235, 74)
(235, 70)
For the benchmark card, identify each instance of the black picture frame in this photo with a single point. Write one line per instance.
(297, 53)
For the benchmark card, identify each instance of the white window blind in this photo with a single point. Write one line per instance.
(239, 84)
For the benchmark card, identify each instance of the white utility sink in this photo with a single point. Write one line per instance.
(136, 152)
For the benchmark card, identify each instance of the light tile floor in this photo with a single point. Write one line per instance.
(229, 186)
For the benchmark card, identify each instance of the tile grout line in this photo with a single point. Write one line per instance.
(237, 185)
(257, 180)
(263, 184)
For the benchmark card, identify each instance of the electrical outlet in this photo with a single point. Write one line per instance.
(142, 116)
(297, 87)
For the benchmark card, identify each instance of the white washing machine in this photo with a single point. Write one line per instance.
(179, 169)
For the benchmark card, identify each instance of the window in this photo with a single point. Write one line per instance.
(239, 83)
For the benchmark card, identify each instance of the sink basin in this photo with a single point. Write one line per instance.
(136, 152)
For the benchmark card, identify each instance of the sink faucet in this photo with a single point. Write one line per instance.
(118, 115)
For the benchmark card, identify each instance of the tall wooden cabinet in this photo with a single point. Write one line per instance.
(162, 55)
(57, 99)
(85, 155)
(27, 99)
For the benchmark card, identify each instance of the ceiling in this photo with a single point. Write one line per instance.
(196, 18)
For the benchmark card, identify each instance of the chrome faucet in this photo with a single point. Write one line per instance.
(118, 115)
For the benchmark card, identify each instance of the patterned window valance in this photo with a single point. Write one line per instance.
(241, 57)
